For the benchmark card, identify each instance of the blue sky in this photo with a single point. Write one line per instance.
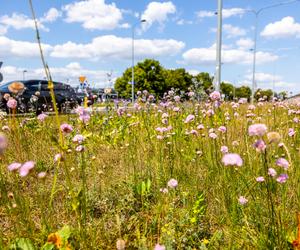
(93, 37)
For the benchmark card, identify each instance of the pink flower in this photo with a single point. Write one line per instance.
(42, 117)
(282, 178)
(243, 200)
(176, 109)
(172, 183)
(200, 127)
(291, 132)
(159, 137)
(215, 96)
(281, 162)
(177, 98)
(272, 172)
(189, 118)
(232, 160)
(5, 128)
(14, 166)
(78, 139)
(213, 135)
(42, 175)
(257, 129)
(84, 114)
(260, 146)
(57, 157)
(194, 132)
(164, 190)
(66, 128)
(26, 167)
(79, 148)
(3, 143)
(222, 129)
(224, 149)
(12, 103)
(260, 179)
(159, 247)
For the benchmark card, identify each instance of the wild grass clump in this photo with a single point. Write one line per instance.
(169, 175)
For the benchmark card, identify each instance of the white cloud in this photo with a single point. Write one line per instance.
(3, 30)
(286, 27)
(71, 72)
(157, 12)
(226, 13)
(14, 48)
(233, 31)
(94, 14)
(103, 48)
(183, 22)
(51, 15)
(233, 12)
(245, 43)
(205, 13)
(19, 21)
(264, 77)
(200, 56)
(113, 47)
(193, 72)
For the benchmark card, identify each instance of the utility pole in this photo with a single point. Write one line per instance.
(132, 66)
(219, 46)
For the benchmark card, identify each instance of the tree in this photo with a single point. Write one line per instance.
(243, 92)
(148, 75)
(179, 79)
(261, 93)
(205, 81)
(228, 90)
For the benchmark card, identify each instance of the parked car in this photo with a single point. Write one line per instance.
(36, 96)
(81, 94)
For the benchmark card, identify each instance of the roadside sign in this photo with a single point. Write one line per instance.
(82, 79)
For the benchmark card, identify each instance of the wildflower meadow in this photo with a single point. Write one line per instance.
(168, 175)
(173, 174)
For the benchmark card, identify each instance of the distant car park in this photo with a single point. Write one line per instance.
(35, 97)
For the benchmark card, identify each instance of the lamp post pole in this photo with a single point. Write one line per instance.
(132, 57)
(219, 46)
(256, 14)
(24, 71)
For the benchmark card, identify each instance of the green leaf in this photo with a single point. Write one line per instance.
(22, 244)
(48, 246)
(65, 233)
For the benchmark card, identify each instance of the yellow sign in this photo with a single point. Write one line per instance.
(82, 79)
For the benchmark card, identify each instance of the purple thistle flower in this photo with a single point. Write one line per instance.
(66, 128)
(257, 129)
(12, 103)
(232, 160)
(260, 179)
(14, 166)
(224, 149)
(26, 167)
(243, 200)
(282, 178)
(42, 117)
(260, 145)
(189, 118)
(272, 172)
(172, 183)
(159, 247)
(281, 162)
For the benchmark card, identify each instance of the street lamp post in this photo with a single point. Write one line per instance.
(24, 71)
(256, 14)
(132, 66)
(219, 46)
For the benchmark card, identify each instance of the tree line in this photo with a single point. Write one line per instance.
(150, 75)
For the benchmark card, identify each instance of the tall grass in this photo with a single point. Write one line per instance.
(113, 186)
